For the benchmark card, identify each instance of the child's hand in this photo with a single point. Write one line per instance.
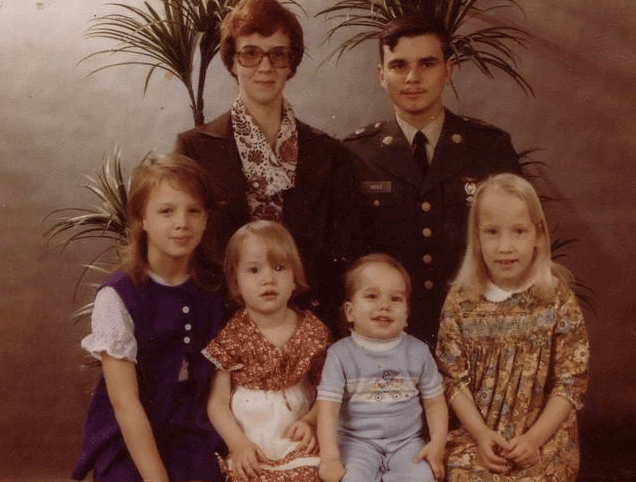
(433, 453)
(330, 470)
(302, 432)
(491, 445)
(523, 451)
(246, 460)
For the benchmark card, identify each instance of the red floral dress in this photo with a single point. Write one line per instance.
(272, 387)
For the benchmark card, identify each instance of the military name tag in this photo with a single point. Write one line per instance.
(374, 187)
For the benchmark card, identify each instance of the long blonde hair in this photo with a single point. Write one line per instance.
(473, 273)
(281, 249)
(182, 173)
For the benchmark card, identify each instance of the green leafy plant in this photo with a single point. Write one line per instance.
(105, 220)
(167, 38)
(489, 48)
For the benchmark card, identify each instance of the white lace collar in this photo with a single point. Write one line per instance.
(494, 293)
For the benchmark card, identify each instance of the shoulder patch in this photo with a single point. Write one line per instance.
(366, 131)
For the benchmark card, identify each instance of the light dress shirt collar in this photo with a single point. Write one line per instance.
(432, 131)
(375, 345)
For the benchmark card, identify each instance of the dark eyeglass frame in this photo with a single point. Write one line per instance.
(279, 57)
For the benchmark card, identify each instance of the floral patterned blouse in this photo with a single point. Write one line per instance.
(512, 356)
(256, 363)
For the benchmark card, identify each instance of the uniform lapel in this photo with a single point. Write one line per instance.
(393, 154)
(447, 158)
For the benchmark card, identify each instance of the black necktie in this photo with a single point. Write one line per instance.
(419, 151)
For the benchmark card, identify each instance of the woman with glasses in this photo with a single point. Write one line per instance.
(266, 164)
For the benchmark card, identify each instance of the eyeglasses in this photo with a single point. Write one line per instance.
(251, 56)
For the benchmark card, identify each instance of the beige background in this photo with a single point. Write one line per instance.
(55, 125)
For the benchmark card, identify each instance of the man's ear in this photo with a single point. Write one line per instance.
(450, 65)
(381, 75)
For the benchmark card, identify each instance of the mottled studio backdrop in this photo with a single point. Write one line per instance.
(56, 123)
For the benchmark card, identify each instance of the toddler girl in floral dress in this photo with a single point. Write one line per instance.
(269, 357)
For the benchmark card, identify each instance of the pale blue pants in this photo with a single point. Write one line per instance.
(370, 461)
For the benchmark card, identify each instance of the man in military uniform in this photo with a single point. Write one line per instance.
(419, 170)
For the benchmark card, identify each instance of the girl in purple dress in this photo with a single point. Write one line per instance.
(147, 420)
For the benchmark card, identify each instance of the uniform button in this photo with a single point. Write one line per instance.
(186, 339)
(427, 258)
(426, 206)
(427, 232)
(376, 202)
(186, 309)
(188, 326)
(428, 284)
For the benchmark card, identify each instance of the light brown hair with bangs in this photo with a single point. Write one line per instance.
(281, 249)
(182, 173)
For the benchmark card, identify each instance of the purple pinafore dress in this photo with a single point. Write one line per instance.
(172, 324)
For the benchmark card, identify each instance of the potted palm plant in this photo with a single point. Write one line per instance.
(170, 38)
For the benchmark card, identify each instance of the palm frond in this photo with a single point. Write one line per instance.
(105, 220)
(489, 49)
(584, 293)
(166, 37)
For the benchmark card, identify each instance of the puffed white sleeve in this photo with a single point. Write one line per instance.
(112, 327)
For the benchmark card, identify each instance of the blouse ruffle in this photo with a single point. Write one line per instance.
(113, 331)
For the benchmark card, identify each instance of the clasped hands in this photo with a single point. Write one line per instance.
(500, 455)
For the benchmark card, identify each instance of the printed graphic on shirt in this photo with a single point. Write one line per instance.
(390, 387)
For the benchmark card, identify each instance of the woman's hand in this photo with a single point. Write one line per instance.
(301, 431)
(246, 459)
(492, 446)
(330, 470)
(433, 453)
(523, 451)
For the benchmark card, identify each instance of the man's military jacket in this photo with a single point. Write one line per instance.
(422, 221)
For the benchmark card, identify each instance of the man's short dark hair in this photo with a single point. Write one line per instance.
(412, 26)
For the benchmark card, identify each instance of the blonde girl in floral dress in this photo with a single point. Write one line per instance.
(269, 356)
(512, 346)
